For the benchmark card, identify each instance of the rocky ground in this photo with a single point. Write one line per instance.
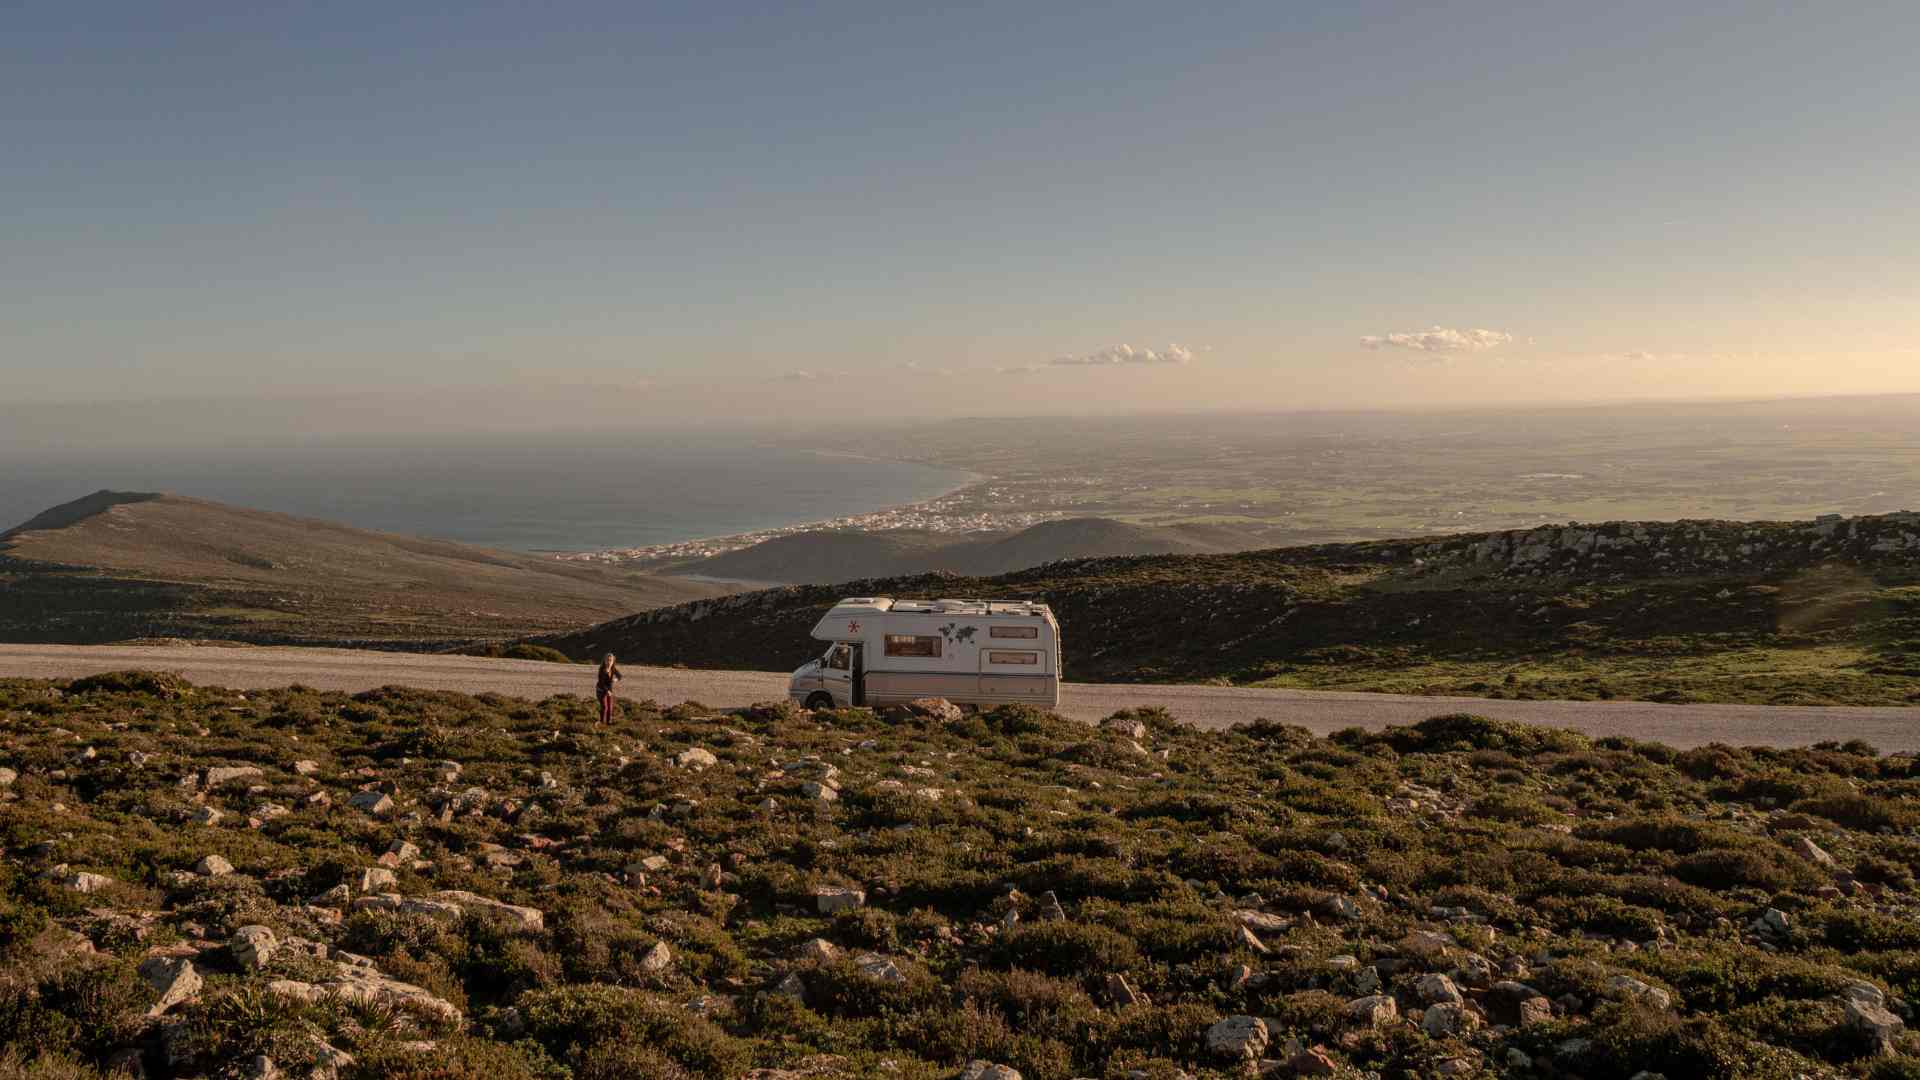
(400, 883)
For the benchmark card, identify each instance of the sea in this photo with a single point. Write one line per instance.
(523, 495)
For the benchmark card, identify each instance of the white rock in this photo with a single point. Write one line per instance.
(1238, 1038)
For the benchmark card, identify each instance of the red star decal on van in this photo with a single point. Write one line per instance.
(853, 627)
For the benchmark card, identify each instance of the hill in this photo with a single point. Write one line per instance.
(408, 885)
(119, 565)
(1814, 612)
(824, 556)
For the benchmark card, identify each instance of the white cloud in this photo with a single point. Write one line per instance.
(916, 368)
(1440, 340)
(1127, 354)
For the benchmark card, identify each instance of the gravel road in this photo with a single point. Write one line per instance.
(1890, 729)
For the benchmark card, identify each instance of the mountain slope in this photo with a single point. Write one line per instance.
(117, 565)
(838, 555)
(1825, 611)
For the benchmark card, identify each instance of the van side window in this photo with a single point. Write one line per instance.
(837, 659)
(997, 657)
(1014, 632)
(912, 645)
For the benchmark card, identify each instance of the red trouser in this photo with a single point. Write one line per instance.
(606, 707)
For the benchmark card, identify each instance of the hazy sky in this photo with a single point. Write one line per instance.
(672, 211)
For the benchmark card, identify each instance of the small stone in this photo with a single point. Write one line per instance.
(306, 768)
(213, 866)
(819, 949)
(830, 899)
(696, 758)
(1535, 1009)
(1804, 847)
(987, 1070)
(1372, 1011)
(1121, 992)
(881, 968)
(1629, 987)
(1427, 945)
(253, 947)
(1050, 909)
(819, 792)
(657, 959)
(1313, 1062)
(222, 775)
(375, 802)
(1446, 1019)
(1435, 989)
(174, 978)
(206, 815)
(1238, 1038)
(375, 879)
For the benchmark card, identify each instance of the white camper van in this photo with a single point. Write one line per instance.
(972, 652)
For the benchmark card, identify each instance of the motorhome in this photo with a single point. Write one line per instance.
(977, 653)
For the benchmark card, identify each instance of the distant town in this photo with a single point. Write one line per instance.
(956, 512)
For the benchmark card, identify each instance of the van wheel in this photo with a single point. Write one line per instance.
(820, 701)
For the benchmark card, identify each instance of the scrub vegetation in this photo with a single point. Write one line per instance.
(1820, 612)
(200, 882)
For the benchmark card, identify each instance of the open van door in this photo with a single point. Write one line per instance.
(836, 675)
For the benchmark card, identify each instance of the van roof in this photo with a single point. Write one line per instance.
(949, 606)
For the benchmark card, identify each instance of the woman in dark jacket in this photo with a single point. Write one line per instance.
(609, 675)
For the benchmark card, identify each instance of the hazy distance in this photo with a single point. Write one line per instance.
(326, 220)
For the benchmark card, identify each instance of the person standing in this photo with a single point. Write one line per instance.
(609, 675)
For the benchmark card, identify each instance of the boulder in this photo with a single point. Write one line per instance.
(8, 776)
(987, 1070)
(525, 918)
(206, 815)
(306, 768)
(373, 801)
(365, 984)
(1238, 1038)
(213, 866)
(1874, 1024)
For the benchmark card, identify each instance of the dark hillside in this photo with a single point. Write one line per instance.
(113, 566)
(1825, 611)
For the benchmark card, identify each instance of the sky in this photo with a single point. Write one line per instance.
(485, 215)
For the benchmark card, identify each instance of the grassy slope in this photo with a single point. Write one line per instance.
(1534, 855)
(116, 566)
(1685, 611)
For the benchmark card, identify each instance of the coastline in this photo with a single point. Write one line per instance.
(956, 510)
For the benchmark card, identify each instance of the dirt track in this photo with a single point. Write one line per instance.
(1890, 729)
